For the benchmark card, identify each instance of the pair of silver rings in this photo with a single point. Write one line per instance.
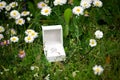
(54, 50)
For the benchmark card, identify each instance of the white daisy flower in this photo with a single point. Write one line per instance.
(20, 21)
(7, 8)
(46, 11)
(25, 13)
(86, 3)
(59, 2)
(97, 3)
(1, 36)
(14, 39)
(29, 39)
(41, 5)
(29, 31)
(2, 29)
(33, 34)
(98, 69)
(15, 14)
(13, 32)
(78, 10)
(98, 34)
(13, 4)
(92, 42)
(2, 5)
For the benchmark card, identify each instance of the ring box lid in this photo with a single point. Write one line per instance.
(52, 35)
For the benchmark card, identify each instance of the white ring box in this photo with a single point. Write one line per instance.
(53, 43)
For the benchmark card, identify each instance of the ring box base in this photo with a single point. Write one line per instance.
(53, 43)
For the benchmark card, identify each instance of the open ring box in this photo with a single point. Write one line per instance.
(53, 43)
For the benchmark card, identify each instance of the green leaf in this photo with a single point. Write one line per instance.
(67, 15)
(66, 30)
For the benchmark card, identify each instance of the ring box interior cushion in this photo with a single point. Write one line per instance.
(53, 43)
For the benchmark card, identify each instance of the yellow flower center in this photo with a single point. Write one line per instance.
(14, 13)
(85, 4)
(20, 21)
(29, 31)
(1, 5)
(46, 11)
(78, 10)
(43, 5)
(29, 38)
(13, 39)
(92, 42)
(97, 3)
(33, 34)
(97, 70)
(13, 5)
(25, 12)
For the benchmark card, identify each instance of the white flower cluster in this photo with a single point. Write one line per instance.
(15, 14)
(18, 16)
(13, 38)
(98, 35)
(3, 5)
(45, 9)
(84, 4)
(12, 31)
(31, 35)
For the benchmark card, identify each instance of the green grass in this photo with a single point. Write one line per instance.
(80, 57)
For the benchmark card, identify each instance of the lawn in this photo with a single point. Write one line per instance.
(91, 39)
